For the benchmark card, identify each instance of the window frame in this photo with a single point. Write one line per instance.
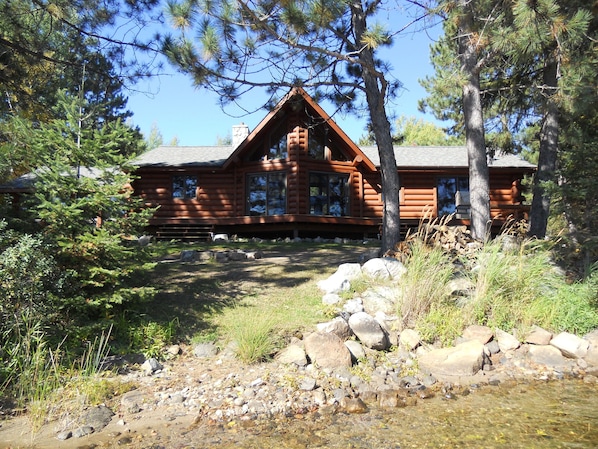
(183, 185)
(251, 204)
(460, 184)
(326, 206)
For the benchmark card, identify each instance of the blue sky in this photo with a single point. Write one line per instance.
(194, 117)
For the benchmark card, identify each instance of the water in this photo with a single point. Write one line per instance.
(537, 415)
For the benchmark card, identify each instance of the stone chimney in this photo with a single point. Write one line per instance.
(240, 133)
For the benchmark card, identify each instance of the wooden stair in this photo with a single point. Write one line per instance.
(185, 232)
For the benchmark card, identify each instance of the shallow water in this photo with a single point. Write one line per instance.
(539, 415)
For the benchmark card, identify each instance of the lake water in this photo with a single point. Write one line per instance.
(562, 414)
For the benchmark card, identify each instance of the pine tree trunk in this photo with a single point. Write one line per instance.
(474, 128)
(547, 158)
(375, 89)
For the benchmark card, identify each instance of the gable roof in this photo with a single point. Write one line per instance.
(407, 157)
(296, 98)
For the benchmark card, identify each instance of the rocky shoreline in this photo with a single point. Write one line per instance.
(354, 362)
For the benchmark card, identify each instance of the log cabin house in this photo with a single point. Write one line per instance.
(298, 174)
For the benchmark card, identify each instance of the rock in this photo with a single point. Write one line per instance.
(356, 350)
(131, 401)
(571, 345)
(150, 366)
(409, 339)
(506, 342)
(492, 347)
(390, 399)
(334, 284)
(546, 355)
(327, 350)
(483, 334)
(82, 431)
(308, 384)
(538, 336)
(220, 238)
(353, 405)
(64, 435)
(592, 356)
(237, 256)
(353, 306)
(205, 350)
(97, 417)
(330, 299)
(292, 354)
(254, 255)
(350, 271)
(188, 256)
(384, 268)
(592, 337)
(465, 359)
(381, 299)
(173, 350)
(460, 286)
(368, 331)
(144, 240)
(337, 326)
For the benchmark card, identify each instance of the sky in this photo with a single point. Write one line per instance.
(192, 116)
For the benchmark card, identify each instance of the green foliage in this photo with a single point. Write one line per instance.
(149, 337)
(411, 131)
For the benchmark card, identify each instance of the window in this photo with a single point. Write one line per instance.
(315, 145)
(267, 194)
(451, 191)
(184, 187)
(328, 194)
(278, 148)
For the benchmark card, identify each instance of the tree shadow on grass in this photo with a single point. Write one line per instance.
(194, 293)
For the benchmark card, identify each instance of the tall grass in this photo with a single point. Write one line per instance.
(511, 290)
(424, 285)
(252, 334)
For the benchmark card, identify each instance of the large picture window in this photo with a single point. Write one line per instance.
(329, 194)
(267, 194)
(184, 187)
(452, 192)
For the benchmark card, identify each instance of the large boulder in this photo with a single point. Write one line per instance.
(337, 326)
(506, 341)
(592, 356)
(546, 355)
(384, 268)
(368, 331)
(292, 354)
(327, 350)
(571, 345)
(380, 299)
(538, 336)
(465, 359)
(409, 339)
(483, 334)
